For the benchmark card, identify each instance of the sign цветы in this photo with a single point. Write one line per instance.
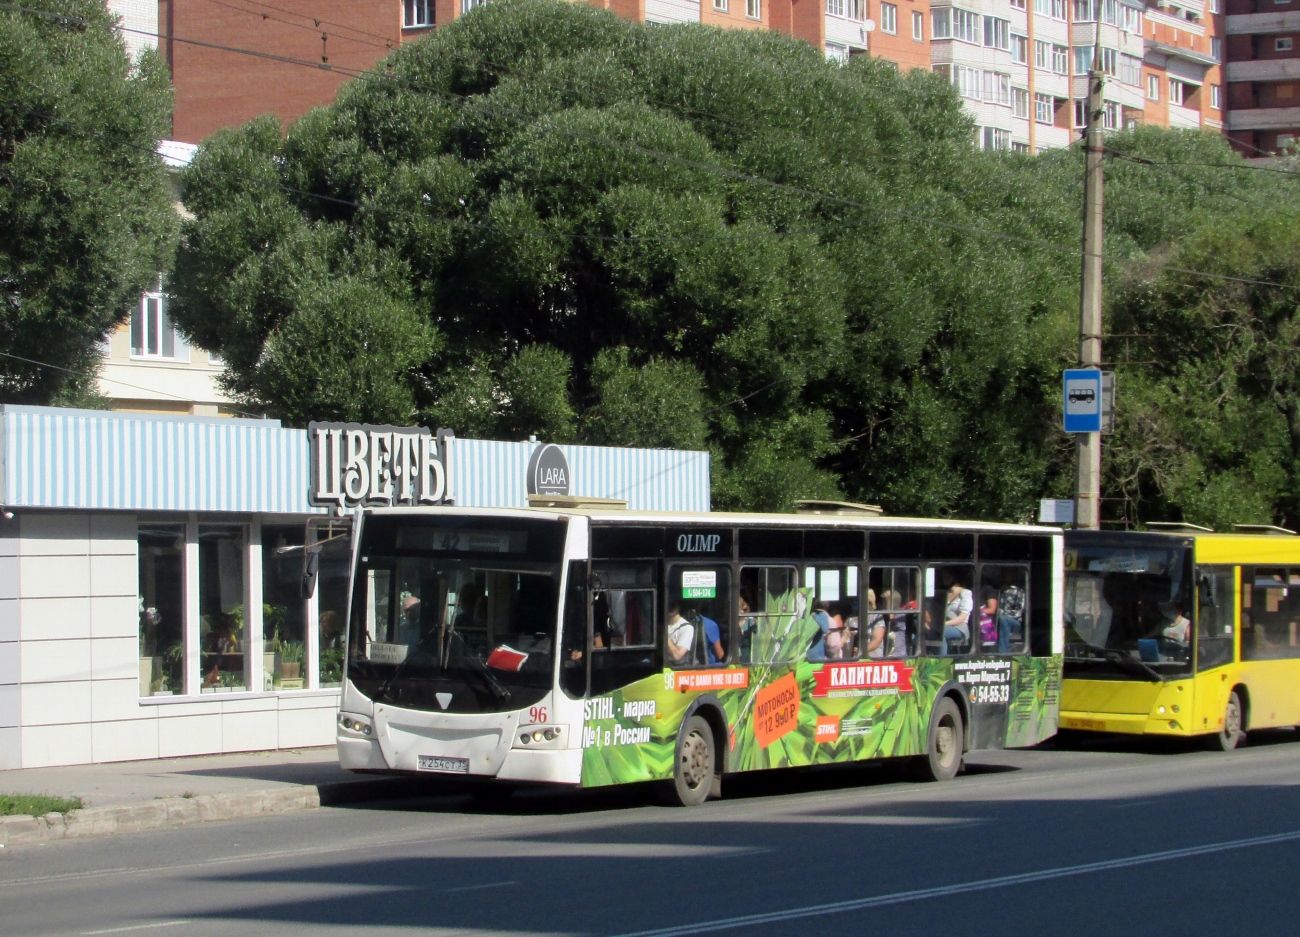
(354, 464)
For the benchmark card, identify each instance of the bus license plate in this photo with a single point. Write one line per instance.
(441, 763)
(1095, 724)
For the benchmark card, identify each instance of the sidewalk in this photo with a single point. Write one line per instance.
(132, 796)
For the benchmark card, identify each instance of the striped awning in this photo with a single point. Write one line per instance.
(102, 460)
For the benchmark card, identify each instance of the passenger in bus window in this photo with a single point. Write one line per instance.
(408, 629)
(988, 618)
(851, 636)
(681, 635)
(817, 650)
(748, 625)
(834, 640)
(1011, 609)
(876, 625)
(714, 652)
(956, 616)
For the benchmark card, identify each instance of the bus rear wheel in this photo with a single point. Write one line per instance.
(943, 756)
(693, 775)
(1232, 734)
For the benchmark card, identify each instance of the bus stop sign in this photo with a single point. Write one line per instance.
(1082, 393)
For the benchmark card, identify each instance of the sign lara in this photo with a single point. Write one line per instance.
(354, 464)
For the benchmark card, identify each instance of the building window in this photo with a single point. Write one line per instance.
(996, 138)
(889, 19)
(1081, 114)
(1017, 4)
(837, 53)
(857, 9)
(1110, 115)
(1044, 108)
(941, 23)
(997, 33)
(152, 332)
(754, 9)
(966, 81)
(918, 27)
(833, 7)
(1213, 6)
(1216, 49)
(1042, 54)
(1285, 141)
(162, 609)
(721, 6)
(284, 612)
(1130, 20)
(1283, 44)
(1216, 97)
(966, 26)
(1153, 87)
(223, 624)
(1020, 102)
(1059, 10)
(467, 5)
(1020, 148)
(1060, 60)
(1130, 70)
(417, 13)
(1176, 90)
(1020, 49)
(997, 88)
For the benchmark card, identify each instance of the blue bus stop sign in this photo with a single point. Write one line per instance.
(1082, 393)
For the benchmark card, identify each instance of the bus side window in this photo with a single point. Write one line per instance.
(1039, 600)
(1216, 600)
(623, 622)
(697, 616)
(1275, 615)
(892, 620)
(573, 641)
(1001, 604)
(769, 627)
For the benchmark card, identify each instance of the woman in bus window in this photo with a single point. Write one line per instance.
(956, 616)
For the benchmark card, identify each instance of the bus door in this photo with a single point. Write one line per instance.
(1216, 610)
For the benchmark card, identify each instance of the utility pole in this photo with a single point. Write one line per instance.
(1087, 500)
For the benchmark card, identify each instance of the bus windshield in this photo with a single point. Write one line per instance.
(1128, 610)
(456, 614)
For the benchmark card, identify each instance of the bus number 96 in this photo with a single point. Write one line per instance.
(537, 714)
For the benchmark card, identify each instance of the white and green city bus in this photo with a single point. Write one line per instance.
(590, 645)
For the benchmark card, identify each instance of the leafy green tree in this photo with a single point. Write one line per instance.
(645, 235)
(85, 202)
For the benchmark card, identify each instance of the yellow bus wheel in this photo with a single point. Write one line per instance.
(1232, 733)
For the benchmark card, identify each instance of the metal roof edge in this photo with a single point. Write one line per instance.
(270, 422)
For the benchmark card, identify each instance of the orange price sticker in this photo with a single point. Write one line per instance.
(776, 710)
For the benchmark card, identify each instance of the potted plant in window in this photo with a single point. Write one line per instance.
(291, 659)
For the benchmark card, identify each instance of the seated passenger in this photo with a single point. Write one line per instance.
(834, 640)
(989, 616)
(956, 616)
(876, 625)
(680, 636)
(817, 650)
(714, 651)
(748, 626)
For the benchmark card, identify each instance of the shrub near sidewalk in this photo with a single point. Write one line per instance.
(35, 805)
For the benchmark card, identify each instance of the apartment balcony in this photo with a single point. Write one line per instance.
(1245, 24)
(1264, 118)
(1185, 117)
(1178, 52)
(1264, 70)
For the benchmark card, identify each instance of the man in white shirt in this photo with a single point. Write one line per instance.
(681, 636)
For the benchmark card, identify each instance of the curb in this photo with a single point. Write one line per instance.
(167, 813)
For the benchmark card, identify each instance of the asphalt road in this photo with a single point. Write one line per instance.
(1114, 839)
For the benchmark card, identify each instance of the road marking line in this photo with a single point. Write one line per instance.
(447, 891)
(123, 930)
(922, 894)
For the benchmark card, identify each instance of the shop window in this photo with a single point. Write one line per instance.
(284, 613)
(334, 564)
(223, 624)
(162, 609)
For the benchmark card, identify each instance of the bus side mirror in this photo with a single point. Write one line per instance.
(310, 567)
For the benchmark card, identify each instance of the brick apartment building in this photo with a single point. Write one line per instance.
(1263, 41)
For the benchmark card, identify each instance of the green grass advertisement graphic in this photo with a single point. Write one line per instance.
(789, 712)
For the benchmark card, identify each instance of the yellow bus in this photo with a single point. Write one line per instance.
(1182, 632)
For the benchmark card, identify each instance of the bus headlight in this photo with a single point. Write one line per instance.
(356, 724)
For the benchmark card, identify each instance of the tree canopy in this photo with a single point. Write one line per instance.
(85, 202)
(546, 220)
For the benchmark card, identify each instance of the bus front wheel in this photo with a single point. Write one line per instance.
(696, 765)
(1232, 734)
(943, 756)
